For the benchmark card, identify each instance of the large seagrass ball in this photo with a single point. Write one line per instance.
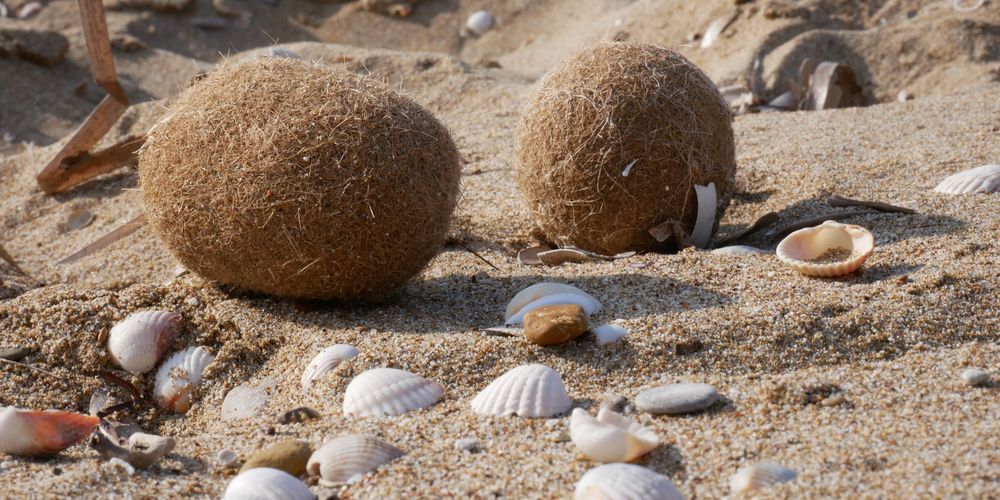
(299, 180)
(612, 143)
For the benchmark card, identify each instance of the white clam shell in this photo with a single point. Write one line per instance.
(607, 334)
(350, 455)
(137, 343)
(480, 22)
(542, 290)
(610, 437)
(534, 391)
(389, 392)
(802, 247)
(738, 250)
(758, 476)
(707, 209)
(265, 483)
(28, 433)
(625, 482)
(178, 376)
(326, 360)
(984, 179)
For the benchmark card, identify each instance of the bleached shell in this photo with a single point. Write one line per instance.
(984, 179)
(389, 392)
(178, 376)
(533, 391)
(28, 433)
(610, 437)
(625, 482)
(607, 334)
(707, 209)
(265, 483)
(738, 250)
(538, 291)
(350, 455)
(326, 360)
(758, 476)
(801, 247)
(137, 343)
(573, 295)
(480, 22)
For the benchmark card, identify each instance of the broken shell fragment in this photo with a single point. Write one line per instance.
(327, 360)
(350, 455)
(733, 250)
(610, 437)
(137, 343)
(480, 22)
(984, 179)
(974, 377)
(28, 433)
(607, 334)
(759, 476)
(625, 481)
(263, 483)
(707, 207)
(531, 297)
(178, 376)
(532, 391)
(828, 250)
(388, 392)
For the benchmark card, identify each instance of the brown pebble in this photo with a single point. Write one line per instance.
(289, 455)
(554, 324)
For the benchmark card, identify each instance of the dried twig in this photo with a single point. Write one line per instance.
(839, 201)
(25, 365)
(10, 260)
(473, 252)
(120, 382)
(765, 220)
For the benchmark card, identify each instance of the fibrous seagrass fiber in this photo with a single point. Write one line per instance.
(613, 141)
(299, 180)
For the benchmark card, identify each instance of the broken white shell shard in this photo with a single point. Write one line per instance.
(610, 437)
(812, 251)
(265, 483)
(607, 334)
(244, 401)
(27, 433)
(984, 179)
(714, 30)
(758, 476)
(625, 482)
(137, 343)
(178, 376)
(533, 391)
(538, 291)
(480, 22)
(388, 392)
(738, 250)
(350, 455)
(326, 360)
(707, 206)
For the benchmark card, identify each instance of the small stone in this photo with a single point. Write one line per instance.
(43, 47)
(470, 445)
(78, 219)
(613, 402)
(120, 466)
(975, 377)
(227, 458)
(15, 353)
(833, 399)
(552, 423)
(675, 399)
(555, 324)
(558, 437)
(289, 455)
(298, 415)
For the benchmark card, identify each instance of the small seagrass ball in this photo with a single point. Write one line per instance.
(612, 143)
(299, 180)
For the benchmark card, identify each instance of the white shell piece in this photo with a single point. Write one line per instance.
(350, 455)
(265, 483)
(533, 391)
(589, 304)
(607, 334)
(326, 360)
(244, 401)
(137, 343)
(739, 250)
(802, 247)
(625, 482)
(480, 22)
(714, 30)
(975, 377)
(388, 392)
(984, 179)
(178, 376)
(28, 433)
(707, 207)
(610, 437)
(537, 291)
(758, 476)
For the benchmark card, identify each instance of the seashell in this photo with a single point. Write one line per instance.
(326, 360)
(226, 458)
(607, 334)
(984, 179)
(786, 100)
(350, 455)
(625, 482)
(245, 401)
(480, 22)
(758, 476)
(705, 221)
(716, 28)
(137, 343)
(738, 250)
(387, 392)
(178, 376)
(28, 433)
(975, 377)
(807, 250)
(263, 483)
(526, 391)
(610, 437)
(541, 290)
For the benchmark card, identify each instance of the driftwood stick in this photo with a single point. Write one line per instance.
(839, 201)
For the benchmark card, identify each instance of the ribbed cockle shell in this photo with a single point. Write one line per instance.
(625, 482)
(804, 250)
(349, 456)
(265, 483)
(137, 343)
(984, 179)
(326, 360)
(178, 376)
(28, 433)
(759, 476)
(387, 392)
(534, 391)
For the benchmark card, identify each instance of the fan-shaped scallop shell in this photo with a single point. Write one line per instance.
(326, 360)
(533, 391)
(802, 249)
(758, 476)
(28, 433)
(265, 483)
(178, 376)
(610, 437)
(984, 179)
(544, 294)
(625, 482)
(388, 392)
(137, 343)
(350, 455)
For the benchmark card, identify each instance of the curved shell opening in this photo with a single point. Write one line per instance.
(830, 249)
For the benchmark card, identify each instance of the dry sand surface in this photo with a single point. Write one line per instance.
(892, 339)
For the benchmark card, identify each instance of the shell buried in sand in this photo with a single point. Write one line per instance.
(349, 456)
(137, 343)
(829, 250)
